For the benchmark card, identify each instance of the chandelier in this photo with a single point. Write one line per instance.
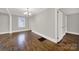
(28, 12)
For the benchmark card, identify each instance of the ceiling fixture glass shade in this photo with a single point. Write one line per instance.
(27, 12)
(30, 14)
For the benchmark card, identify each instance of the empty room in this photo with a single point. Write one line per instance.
(39, 29)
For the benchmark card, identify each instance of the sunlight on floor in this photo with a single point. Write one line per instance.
(21, 40)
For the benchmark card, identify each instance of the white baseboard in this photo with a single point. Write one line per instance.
(20, 30)
(4, 32)
(73, 33)
(15, 31)
(49, 38)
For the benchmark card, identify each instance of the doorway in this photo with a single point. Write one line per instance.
(61, 27)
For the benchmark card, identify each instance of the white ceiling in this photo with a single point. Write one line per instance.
(20, 11)
(69, 11)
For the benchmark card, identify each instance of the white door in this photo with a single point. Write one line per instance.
(60, 25)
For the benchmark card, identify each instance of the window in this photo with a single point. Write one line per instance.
(21, 22)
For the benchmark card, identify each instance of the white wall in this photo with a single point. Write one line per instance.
(15, 24)
(4, 23)
(44, 23)
(73, 23)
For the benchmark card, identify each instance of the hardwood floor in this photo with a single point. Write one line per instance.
(28, 41)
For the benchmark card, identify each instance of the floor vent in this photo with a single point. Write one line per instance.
(41, 39)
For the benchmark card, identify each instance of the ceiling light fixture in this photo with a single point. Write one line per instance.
(30, 13)
(27, 12)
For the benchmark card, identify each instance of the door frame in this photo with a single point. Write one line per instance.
(63, 33)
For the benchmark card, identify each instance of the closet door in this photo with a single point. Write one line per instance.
(60, 25)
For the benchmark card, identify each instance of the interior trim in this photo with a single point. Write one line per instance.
(73, 33)
(49, 38)
(15, 31)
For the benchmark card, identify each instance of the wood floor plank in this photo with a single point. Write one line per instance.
(29, 41)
